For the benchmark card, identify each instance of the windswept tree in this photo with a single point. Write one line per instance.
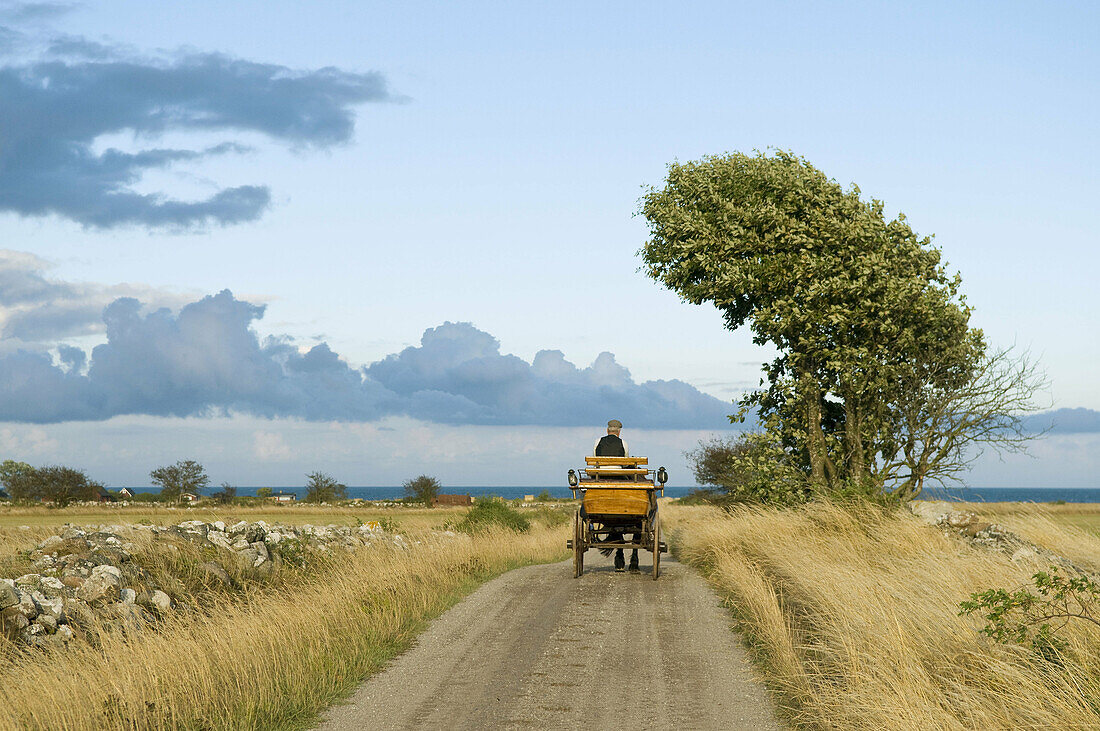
(862, 311)
(184, 476)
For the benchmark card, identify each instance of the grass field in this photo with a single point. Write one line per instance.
(271, 658)
(407, 517)
(852, 616)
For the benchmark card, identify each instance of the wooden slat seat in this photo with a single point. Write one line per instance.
(616, 501)
(616, 471)
(618, 461)
(612, 485)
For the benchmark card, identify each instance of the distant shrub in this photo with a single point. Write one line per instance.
(226, 494)
(550, 516)
(544, 496)
(322, 488)
(492, 513)
(421, 489)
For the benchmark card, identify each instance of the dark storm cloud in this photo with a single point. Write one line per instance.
(53, 111)
(207, 360)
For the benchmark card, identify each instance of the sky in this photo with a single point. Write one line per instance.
(381, 239)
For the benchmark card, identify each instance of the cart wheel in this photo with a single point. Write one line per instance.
(578, 545)
(656, 548)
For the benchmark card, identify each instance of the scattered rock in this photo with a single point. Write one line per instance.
(9, 596)
(214, 570)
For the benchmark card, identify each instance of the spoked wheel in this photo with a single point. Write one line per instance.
(656, 547)
(578, 545)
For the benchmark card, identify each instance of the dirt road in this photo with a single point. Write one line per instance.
(536, 648)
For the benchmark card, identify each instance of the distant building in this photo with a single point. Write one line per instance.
(125, 492)
(189, 497)
(104, 496)
(452, 500)
(283, 497)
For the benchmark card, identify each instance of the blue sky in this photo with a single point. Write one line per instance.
(368, 172)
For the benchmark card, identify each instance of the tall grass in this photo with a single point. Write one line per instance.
(853, 617)
(271, 662)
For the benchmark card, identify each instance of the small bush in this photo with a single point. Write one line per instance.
(492, 513)
(421, 489)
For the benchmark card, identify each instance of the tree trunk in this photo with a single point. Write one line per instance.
(853, 442)
(819, 458)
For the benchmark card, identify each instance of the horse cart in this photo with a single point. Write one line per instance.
(619, 498)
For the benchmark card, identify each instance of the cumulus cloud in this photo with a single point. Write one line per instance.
(1066, 421)
(36, 310)
(207, 360)
(55, 109)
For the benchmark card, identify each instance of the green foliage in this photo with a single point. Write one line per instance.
(1034, 618)
(492, 514)
(873, 381)
(11, 471)
(264, 492)
(54, 483)
(187, 475)
(752, 467)
(550, 516)
(421, 489)
(322, 488)
(544, 496)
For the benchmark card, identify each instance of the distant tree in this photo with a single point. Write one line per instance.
(225, 494)
(186, 475)
(264, 492)
(10, 474)
(54, 483)
(322, 488)
(422, 489)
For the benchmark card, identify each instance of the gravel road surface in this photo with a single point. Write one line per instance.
(538, 649)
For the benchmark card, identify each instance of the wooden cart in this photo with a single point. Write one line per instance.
(619, 496)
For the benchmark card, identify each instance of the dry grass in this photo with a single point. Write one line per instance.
(271, 662)
(37, 516)
(853, 617)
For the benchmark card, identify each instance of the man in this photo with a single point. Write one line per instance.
(612, 445)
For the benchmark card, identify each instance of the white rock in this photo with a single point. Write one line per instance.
(161, 601)
(27, 606)
(219, 525)
(240, 527)
(128, 596)
(49, 622)
(240, 544)
(220, 539)
(192, 525)
(107, 569)
(64, 632)
(54, 607)
(274, 536)
(1023, 553)
(52, 582)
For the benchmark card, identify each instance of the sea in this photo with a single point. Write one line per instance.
(511, 492)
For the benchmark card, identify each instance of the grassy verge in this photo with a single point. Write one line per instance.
(852, 617)
(272, 662)
(37, 516)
